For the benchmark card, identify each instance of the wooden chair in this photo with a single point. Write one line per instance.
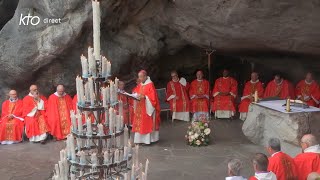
(164, 105)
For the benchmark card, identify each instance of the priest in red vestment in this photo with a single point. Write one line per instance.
(224, 92)
(309, 160)
(280, 163)
(58, 112)
(260, 164)
(147, 113)
(133, 102)
(34, 106)
(178, 98)
(199, 95)
(124, 100)
(12, 123)
(248, 94)
(307, 90)
(279, 88)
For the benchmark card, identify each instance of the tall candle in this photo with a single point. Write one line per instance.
(82, 157)
(84, 63)
(96, 28)
(100, 130)
(87, 92)
(73, 120)
(256, 96)
(133, 172)
(72, 147)
(108, 68)
(106, 157)
(78, 86)
(125, 153)
(61, 169)
(89, 127)
(116, 156)
(118, 121)
(80, 96)
(147, 167)
(104, 67)
(125, 135)
(111, 120)
(56, 169)
(108, 94)
(112, 98)
(79, 119)
(92, 62)
(79, 144)
(104, 96)
(106, 116)
(136, 155)
(129, 148)
(91, 91)
(94, 159)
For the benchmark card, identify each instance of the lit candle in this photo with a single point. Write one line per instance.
(94, 159)
(82, 158)
(125, 135)
(116, 156)
(84, 63)
(112, 98)
(79, 119)
(111, 120)
(80, 96)
(62, 155)
(256, 96)
(92, 62)
(108, 68)
(146, 168)
(89, 127)
(104, 67)
(288, 105)
(100, 130)
(87, 92)
(73, 120)
(106, 157)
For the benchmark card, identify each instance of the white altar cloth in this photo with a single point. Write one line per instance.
(278, 106)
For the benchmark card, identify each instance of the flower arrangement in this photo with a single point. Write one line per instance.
(198, 133)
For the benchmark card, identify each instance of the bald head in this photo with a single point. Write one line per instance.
(142, 75)
(13, 94)
(60, 89)
(33, 89)
(308, 140)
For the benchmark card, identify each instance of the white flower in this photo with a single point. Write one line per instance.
(202, 139)
(196, 135)
(190, 133)
(198, 142)
(207, 131)
(192, 137)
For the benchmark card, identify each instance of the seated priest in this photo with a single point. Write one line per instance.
(279, 88)
(260, 164)
(58, 113)
(125, 102)
(307, 90)
(34, 113)
(178, 98)
(199, 96)
(309, 160)
(146, 123)
(250, 88)
(224, 92)
(12, 123)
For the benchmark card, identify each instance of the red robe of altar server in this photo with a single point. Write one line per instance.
(308, 162)
(58, 112)
(35, 117)
(224, 92)
(11, 128)
(248, 96)
(283, 90)
(200, 89)
(147, 113)
(178, 99)
(283, 166)
(308, 92)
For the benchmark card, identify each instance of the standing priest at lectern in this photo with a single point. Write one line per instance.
(146, 121)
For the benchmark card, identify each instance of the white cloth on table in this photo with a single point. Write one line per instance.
(146, 138)
(278, 106)
(223, 114)
(184, 116)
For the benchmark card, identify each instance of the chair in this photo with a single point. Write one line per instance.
(164, 106)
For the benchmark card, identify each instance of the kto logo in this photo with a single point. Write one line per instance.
(26, 20)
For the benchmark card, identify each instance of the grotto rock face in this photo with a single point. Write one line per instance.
(135, 34)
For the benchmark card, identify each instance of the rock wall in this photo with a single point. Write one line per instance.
(136, 34)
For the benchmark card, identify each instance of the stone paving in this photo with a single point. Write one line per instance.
(170, 158)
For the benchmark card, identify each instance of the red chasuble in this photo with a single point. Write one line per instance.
(249, 89)
(178, 90)
(58, 113)
(307, 163)
(143, 122)
(221, 102)
(125, 101)
(11, 129)
(283, 166)
(304, 89)
(282, 90)
(199, 88)
(132, 105)
(37, 124)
